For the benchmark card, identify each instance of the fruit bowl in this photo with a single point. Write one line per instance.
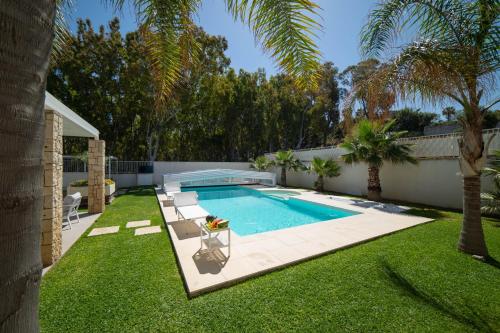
(216, 223)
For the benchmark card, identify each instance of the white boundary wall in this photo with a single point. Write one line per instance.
(431, 182)
(435, 180)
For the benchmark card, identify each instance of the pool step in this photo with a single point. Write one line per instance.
(279, 197)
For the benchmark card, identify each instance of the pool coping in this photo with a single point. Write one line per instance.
(261, 253)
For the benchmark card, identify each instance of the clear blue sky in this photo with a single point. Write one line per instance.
(342, 20)
(339, 41)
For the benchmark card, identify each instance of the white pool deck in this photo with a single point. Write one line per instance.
(257, 254)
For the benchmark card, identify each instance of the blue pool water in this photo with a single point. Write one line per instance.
(251, 211)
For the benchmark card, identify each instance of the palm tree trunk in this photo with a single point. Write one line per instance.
(374, 188)
(283, 176)
(472, 236)
(26, 35)
(320, 184)
(473, 155)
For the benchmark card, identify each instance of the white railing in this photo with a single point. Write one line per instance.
(446, 146)
(75, 164)
(72, 164)
(423, 147)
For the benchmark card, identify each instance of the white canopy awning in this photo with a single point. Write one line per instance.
(73, 124)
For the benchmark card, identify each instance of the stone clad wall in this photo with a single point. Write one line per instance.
(52, 189)
(96, 162)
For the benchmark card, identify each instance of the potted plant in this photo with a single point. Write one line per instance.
(82, 187)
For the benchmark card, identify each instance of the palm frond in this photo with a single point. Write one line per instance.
(261, 163)
(373, 143)
(374, 89)
(457, 47)
(431, 71)
(286, 159)
(490, 203)
(436, 19)
(324, 168)
(286, 30)
(168, 30)
(493, 169)
(61, 30)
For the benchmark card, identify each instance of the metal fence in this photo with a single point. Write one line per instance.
(446, 146)
(423, 147)
(75, 164)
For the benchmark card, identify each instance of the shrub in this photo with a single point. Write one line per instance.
(84, 182)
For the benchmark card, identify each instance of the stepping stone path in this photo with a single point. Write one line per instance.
(147, 230)
(135, 224)
(103, 231)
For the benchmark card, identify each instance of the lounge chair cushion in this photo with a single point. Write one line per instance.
(185, 199)
(192, 212)
(171, 188)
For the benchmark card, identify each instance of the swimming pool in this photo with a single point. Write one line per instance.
(251, 211)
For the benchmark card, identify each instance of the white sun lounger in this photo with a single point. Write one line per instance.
(172, 188)
(186, 206)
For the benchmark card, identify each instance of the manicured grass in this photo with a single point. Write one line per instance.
(411, 281)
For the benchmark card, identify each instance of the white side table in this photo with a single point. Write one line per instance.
(212, 241)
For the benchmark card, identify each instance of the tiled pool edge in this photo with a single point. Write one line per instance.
(231, 282)
(158, 192)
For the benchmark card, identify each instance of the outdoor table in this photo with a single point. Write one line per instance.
(212, 241)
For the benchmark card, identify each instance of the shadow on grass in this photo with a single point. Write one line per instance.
(493, 221)
(492, 262)
(140, 191)
(462, 313)
(425, 212)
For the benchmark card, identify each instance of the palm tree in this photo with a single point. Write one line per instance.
(323, 168)
(449, 112)
(285, 160)
(455, 57)
(261, 163)
(491, 200)
(372, 142)
(285, 29)
(375, 99)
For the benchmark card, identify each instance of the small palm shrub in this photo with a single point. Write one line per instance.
(323, 168)
(84, 182)
(286, 160)
(490, 201)
(373, 143)
(261, 163)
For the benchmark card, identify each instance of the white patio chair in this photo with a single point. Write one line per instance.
(70, 207)
(186, 205)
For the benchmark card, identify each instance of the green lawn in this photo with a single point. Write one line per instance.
(411, 281)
